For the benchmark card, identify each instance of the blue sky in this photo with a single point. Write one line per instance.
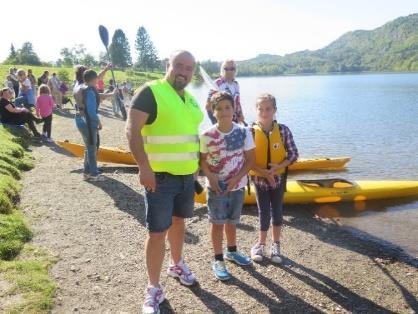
(215, 29)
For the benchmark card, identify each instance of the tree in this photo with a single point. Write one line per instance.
(68, 57)
(119, 50)
(77, 55)
(26, 55)
(88, 60)
(11, 59)
(147, 56)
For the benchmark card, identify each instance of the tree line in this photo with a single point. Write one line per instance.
(120, 53)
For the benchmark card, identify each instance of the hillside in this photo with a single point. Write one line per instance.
(391, 47)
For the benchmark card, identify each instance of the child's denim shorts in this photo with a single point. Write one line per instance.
(225, 208)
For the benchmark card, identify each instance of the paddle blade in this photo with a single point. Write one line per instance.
(104, 35)
(206, 78)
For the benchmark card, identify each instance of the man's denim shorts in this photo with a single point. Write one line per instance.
(225, 208)
(174, 196)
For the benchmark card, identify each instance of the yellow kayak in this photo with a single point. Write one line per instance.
(335, 190)
(120, 156)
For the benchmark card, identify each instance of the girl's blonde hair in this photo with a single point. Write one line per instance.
(222, 72)
(21, 72)
(268, 97)
(44, 89)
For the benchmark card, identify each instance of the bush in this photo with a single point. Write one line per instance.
(64, 76)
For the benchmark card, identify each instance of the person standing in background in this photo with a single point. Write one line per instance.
(54, 85)
(227, 83)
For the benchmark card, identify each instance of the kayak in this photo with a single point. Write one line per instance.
(323, 163)
(120, 156)
(105, 154)
(334, 191)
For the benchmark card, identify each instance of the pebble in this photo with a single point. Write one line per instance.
(96, 290)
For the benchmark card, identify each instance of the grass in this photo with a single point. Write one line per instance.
(23, 266)
(14, 232)
(28, 278)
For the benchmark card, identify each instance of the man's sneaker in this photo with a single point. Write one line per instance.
(98, 178)
(275, 253)
(220, 271)
(154, 296)
(182, 272)
(237, 257)
(257, 252)
(86, 176)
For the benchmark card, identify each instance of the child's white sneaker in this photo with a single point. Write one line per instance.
(257, 252)
(275, 252)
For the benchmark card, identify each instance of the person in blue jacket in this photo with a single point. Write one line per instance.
(88, 123)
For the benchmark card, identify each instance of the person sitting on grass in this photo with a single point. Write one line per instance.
(226, 156)
(16, 116)
(88, 123)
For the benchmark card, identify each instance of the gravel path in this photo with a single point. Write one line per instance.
(97, 231)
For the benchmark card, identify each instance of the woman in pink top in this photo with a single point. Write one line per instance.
(44, 106)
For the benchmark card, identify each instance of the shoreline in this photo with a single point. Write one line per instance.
(96, 230)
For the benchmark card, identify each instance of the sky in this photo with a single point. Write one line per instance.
(214, 29)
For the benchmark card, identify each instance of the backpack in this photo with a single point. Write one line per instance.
(80, 93)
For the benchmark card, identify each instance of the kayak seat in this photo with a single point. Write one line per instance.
(327, 183)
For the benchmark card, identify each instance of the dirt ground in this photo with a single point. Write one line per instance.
(97, 232)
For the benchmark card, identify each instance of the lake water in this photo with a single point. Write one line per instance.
(373, 118)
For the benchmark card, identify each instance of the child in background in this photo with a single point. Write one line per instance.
(88, 122)
(227, 154)
(44, 106)
(275, 150)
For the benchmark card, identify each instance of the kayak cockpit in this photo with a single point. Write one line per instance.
(335, 183)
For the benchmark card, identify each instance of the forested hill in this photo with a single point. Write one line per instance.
(391, 47)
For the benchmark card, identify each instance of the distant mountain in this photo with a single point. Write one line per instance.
(391, 47)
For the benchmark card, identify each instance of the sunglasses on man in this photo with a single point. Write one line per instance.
(229, 69)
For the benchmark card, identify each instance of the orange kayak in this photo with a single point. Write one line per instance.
(121, 156)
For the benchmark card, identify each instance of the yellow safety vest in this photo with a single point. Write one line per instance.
(171, 142)
(264, 145)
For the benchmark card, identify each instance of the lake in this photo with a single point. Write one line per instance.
(371, 117)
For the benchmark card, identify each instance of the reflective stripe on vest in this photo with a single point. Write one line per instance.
(276, 147)
(172, 156)
(170, 139)
(171, 142)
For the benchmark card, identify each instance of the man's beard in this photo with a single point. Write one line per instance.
(180, 84)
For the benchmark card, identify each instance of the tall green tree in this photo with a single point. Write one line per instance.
(11, 59)
(119, 50)
(25, 55)
(147, 58)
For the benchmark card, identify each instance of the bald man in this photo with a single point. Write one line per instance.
(162, 130)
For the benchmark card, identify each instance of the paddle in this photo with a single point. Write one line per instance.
(104, 36)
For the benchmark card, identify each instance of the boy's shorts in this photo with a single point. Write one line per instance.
(174, 196)
(225, 208)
